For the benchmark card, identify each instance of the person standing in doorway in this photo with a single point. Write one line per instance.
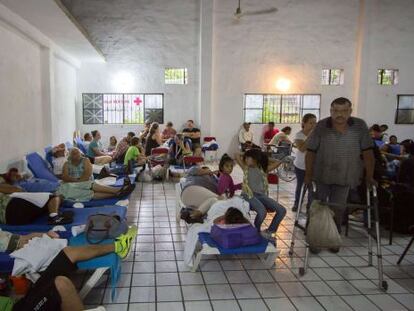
(337, 151)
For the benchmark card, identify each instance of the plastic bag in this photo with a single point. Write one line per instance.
(322, 231)
(158, 172)
(145, 176)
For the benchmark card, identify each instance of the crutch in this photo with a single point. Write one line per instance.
(373, 204)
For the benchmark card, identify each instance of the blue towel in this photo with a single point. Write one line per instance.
(79, 218)
(252, 249)
(110, 260)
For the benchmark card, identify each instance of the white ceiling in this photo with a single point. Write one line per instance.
(51, 20)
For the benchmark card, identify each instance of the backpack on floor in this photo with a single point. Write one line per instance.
(235, 236)
(100, 227)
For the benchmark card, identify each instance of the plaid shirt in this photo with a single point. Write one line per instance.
(121, 148)
(338, 155)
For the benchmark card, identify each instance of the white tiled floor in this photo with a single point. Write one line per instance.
(155, 277)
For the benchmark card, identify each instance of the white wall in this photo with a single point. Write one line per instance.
(249, 55)
(390, 45)
(31, 91)
(298, 41)
(142, 39)
(21, 120)
(64, 108)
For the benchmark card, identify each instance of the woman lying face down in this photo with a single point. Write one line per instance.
(232, 216)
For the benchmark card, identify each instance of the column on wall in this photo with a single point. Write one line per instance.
(206, 60)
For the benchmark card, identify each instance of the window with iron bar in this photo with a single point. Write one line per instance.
(119, 108)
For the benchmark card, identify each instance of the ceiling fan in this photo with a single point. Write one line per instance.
(239, 13)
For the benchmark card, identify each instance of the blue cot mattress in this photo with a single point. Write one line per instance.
(95, 203)
(79, 218)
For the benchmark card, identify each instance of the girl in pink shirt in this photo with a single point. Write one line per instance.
(226, 185)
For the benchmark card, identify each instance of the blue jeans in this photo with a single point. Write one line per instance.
(300, 178)
(261, 203)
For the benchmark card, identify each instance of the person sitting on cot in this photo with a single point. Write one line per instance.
(180, 147)
(112, 144)
(134, 156)
(54, 290)
(78, 184)
(59, 159)
(226, 184)
(95, 151)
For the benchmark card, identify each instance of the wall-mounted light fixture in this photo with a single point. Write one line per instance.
(283, 84)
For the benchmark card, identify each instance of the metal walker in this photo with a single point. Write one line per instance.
(373, 233)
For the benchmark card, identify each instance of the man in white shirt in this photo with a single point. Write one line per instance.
(246, 137)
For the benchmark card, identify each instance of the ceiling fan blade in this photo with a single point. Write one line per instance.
(261, 12)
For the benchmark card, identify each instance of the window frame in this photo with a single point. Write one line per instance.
(185, 75)
(330, 80)
(123, 107)
(399, 109)
(394, 78)
(280, 105)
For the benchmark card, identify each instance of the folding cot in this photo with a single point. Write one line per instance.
(100, 264)
(80, 217)
(40, 169)
(265, 248)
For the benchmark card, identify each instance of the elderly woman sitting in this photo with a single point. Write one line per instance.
(78, 184)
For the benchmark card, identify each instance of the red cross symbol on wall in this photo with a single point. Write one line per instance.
(137, 101)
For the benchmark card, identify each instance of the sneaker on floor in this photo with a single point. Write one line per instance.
(124, 242)
(59, 220)
(270, 236)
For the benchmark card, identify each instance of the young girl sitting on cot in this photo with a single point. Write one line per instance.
(226, 185)
(256, 165)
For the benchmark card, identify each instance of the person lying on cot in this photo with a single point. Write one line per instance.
(54, 290)
(200, 190)
(232, 216)
(24, 210)
(95, 151)
(78, 184)
(12, 177)
(58, 159)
